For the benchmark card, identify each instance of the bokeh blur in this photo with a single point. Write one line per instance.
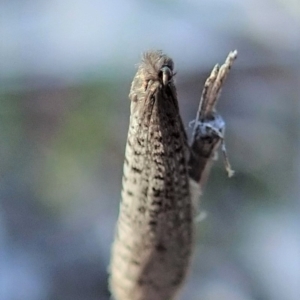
(66, 68)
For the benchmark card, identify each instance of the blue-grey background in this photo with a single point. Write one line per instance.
(66, 68)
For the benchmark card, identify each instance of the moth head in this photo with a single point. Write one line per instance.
(166, 74)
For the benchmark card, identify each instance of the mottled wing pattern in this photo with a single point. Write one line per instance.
(154, 233)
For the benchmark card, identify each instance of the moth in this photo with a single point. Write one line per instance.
(162, 176)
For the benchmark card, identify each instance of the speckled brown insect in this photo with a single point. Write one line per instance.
(155, 230)
(154, 235)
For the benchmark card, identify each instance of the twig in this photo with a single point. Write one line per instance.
(209, 126)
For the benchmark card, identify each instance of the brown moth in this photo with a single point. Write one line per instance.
(155, 230)
(161, 182)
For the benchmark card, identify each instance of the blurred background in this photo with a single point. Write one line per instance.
(66, 68)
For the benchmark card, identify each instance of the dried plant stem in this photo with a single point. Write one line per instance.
(209, 126)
